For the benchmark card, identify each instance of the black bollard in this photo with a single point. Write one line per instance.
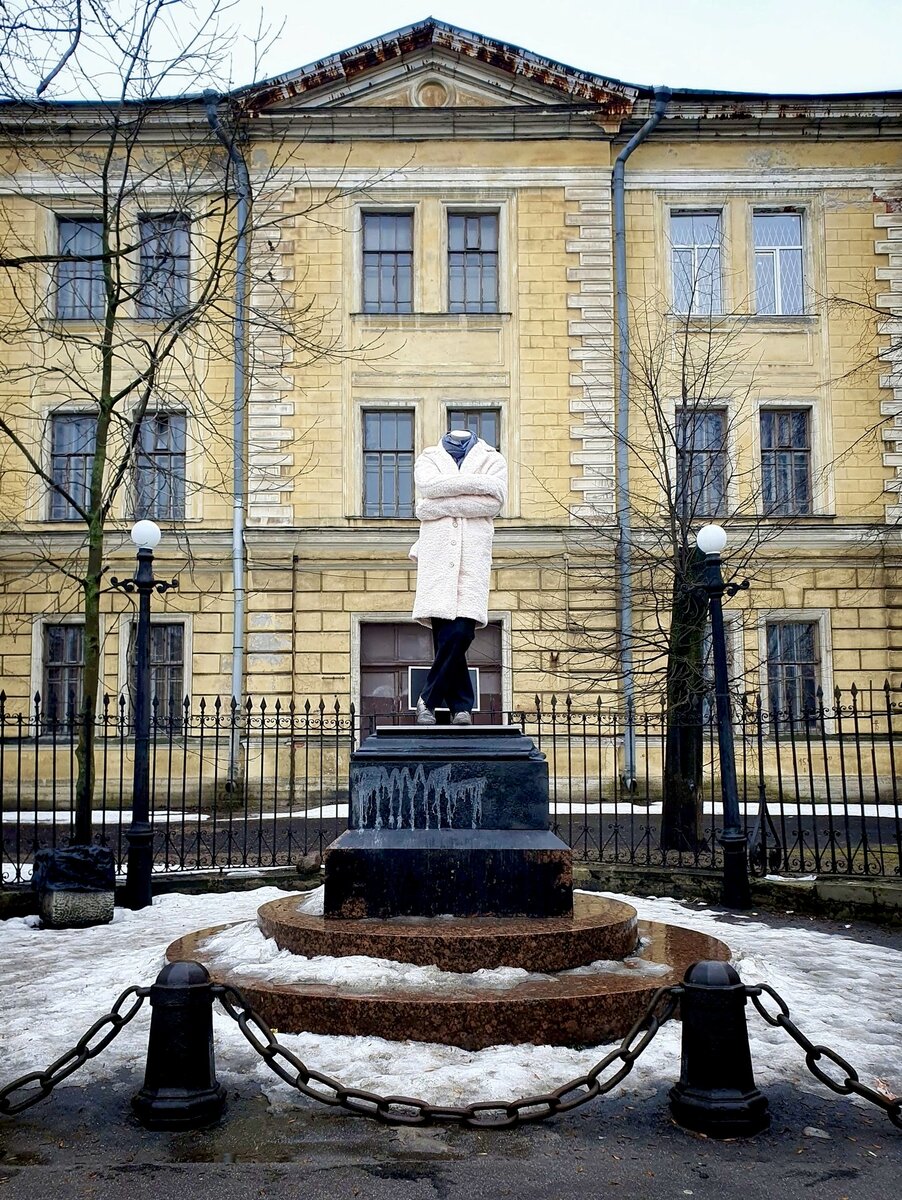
(180, 1089)
(716, 1094)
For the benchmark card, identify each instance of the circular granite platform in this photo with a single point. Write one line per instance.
(599, 928)
(565, 1010)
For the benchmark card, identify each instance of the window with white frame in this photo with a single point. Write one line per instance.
(73, 437)
(701, 449)
(388, 452)
(473, 262)
(779, 282)
(63, 670)
(695, 241)
(793, 667)
(387, 262)
(165, 265)
(79, 273)
(484, 422)
(786, 461)
(160, 466)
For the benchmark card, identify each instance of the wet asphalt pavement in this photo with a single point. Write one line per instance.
(84, 1144)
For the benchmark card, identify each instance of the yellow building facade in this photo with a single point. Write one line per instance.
(438, 208)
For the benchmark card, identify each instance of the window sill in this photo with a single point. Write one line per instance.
(780, 321)
(448, 320)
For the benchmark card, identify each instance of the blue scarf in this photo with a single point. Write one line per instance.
(459, 450)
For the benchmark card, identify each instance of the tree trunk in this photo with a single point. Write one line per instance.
(84, 751)
(681, 822)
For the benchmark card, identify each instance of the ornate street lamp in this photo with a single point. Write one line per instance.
(146, 536)
(711, 540)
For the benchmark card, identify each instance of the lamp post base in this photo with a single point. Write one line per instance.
(736, 892)
(139, 868)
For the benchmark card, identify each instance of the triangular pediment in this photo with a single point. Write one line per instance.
(434, 65)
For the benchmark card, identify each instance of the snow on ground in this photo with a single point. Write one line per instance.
(55, 983)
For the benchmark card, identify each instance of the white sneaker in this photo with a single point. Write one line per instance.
(462, 718)
(425, 716)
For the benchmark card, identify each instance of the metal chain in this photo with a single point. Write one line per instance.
(892, 1106)
(69, 1062)
(406, 1110)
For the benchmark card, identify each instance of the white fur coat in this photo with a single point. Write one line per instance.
(455, 507)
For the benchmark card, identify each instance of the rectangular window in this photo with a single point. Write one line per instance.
(79, 282)
(786, 461)
(388, 462)
(701, 461)
(387, 262)
(731, 637)
(793, 667)
(160, 467)
(72, 441)
(167, 672)
(778, 263)
(165, 263)
(484, 422)
(695, 239)
(63, 675)
(472, 262)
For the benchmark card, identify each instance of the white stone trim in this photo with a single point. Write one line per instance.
(889, 244)
(270, 407)
(588, 214)
(818, 616)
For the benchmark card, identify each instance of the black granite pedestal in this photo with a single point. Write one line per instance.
(448, 820)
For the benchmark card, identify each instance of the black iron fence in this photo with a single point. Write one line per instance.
(263, 784)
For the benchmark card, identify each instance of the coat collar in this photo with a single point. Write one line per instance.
(473, 462)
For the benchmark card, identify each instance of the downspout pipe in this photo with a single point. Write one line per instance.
(239, 400)
(624, 564)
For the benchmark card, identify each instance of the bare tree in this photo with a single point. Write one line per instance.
(108, 200)
(693, 376)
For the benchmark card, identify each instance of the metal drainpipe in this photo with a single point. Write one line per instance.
(662, 98)
(239, 403)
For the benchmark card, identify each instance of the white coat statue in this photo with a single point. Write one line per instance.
(461, 486)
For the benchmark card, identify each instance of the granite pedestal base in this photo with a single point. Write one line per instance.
(597, 929)
(448, 820)
(566, 1010)
(431, 872)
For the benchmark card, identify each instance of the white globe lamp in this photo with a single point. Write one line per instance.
(146, 535)
(711, 539)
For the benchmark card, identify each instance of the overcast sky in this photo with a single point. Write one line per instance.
(751, 45)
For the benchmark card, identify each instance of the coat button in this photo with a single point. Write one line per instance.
(454, 522)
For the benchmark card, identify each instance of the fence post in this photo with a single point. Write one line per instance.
(716, 1094)
(180, 1087)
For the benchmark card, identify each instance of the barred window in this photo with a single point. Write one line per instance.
(160, 467)
(387, 262)
(793, 667)
(473, 262)
(388, 462)
(63, 673)
(695, 260)
(79, 281)
(779, 286)
(701, 461)
(72, 440)
(484, 422)
(165, 265)
(786, 461)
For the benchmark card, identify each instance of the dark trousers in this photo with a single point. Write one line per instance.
(448, 679)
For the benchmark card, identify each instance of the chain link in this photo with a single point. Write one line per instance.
(851, 1084)
(485, 1114)
(86, 1047)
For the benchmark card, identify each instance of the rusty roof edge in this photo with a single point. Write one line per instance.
(345, 64)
